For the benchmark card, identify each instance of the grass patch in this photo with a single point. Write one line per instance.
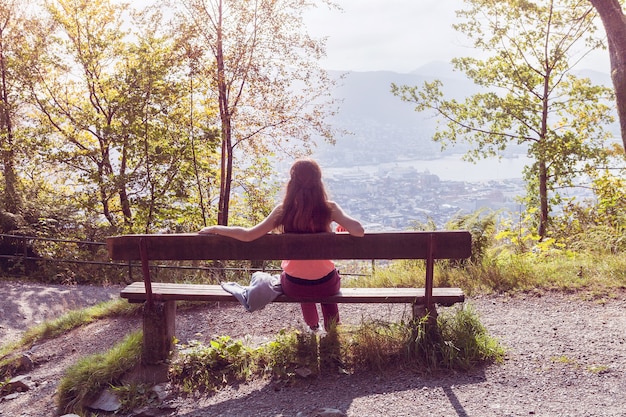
(557, 271)
(593, 276)
(77, 318)
(50, 329)
(292, 353)
(458, 342)
(87, 378)
(466, 342)
(133, 396)
(376, 345)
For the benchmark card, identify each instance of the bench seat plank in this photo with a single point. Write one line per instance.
(136, 292)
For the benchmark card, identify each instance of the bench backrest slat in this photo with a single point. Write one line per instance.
(398, 245)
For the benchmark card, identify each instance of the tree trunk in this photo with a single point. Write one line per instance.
(123, 195)
(12, 201)
(225, 117)
(226, 175)
(544, 209)
(543, 199)
(614, 22)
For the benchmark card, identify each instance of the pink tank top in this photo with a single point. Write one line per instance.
(308, 269)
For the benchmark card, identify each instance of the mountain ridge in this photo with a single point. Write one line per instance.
(384, 128)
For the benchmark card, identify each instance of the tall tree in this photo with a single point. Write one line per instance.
(29, 186)
(161, 117)
(530, 95)
(15, 25)
(614, 21)
(81, 101)
(263, 69)
(119, 105)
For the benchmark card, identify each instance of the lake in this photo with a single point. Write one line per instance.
(449, 168)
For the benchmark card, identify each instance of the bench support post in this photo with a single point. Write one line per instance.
(159, 327)
(428, 285)
(430, 270)
(421, 310)
(159, 318)
(145, 269)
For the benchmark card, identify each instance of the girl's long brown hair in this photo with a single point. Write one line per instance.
(305, 206)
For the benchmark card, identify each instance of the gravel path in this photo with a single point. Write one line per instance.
(566, 357)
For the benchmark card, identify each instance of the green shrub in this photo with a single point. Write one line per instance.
(224, 361)
(466, 342)
(289, 352)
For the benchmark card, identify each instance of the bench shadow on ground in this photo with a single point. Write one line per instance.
(335, 389)
(332, 389)
(343, 393)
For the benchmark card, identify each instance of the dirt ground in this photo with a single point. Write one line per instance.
(566, 357)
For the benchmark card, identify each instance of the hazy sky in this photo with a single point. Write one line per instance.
(397, 35)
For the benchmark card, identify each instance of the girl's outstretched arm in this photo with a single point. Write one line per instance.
(350, 224)
(246, 234)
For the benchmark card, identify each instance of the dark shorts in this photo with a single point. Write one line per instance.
(323, 287)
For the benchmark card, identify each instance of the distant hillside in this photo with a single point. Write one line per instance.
(384, 128)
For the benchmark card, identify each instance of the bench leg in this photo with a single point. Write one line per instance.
(424, 331)
(159, 327)
(420, 311)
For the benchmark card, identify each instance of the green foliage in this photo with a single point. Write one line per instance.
(120, 117)
(258, 196)
(134, 396)
(127, 135)
(527, 95)
(482, 226)
(224, 361)
(284, 97)
(458, 342)
(290, 351)
(546, 268)
(510, 257)
(519, 236)
(92, 374)
(596, 226)
(466, 342)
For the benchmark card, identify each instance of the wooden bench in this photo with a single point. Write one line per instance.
(160, 298)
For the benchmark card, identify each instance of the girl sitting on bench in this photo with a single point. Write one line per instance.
(305, 209)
